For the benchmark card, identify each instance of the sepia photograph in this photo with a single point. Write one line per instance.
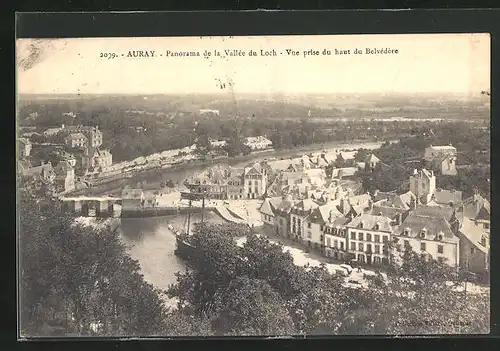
(292, 185)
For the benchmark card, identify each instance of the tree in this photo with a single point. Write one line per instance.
(79, 278)
(251, 307)
(419, 296)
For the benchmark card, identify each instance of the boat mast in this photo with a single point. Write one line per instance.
(189, 216)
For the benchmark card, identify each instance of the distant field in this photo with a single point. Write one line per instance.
(278, 106)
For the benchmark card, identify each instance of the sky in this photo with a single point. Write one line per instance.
(425, 63)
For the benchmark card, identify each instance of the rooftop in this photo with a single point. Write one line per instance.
(447, 196)
(430, 227)
(474, 234)
(370, 222)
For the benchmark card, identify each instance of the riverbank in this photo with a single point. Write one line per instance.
(152, 178)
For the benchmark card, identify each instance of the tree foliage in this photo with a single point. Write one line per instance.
(415, 296)
(77, 280)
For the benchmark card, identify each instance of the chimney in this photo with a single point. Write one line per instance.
(398, 219)
(370, 205)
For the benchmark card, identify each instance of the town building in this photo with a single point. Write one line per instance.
(300, 230)
(76, 140)
(254, 181)
(44, 172)
(217, 143)
(442, 158)
(335, 234)
(53, 131)
(450, 198)
(426, 230)
(268, 212)
(65, 176)
(25, 147)
(322, 230)
(433, 152)
(96, 159)
(477, 209)
(93, 134)
(235, 187)
(474, 247)
(370, 162)
(213, 182)
(344, 172)
(423, 184)
(258, 143)
(282, 217)
(368, 236)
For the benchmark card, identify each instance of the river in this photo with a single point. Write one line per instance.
(151, 179)
(150, 242)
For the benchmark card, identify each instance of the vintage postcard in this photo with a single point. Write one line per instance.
(266, 185)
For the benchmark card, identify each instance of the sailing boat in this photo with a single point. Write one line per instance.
(184, 249)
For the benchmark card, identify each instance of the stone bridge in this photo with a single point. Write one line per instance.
(87, 206)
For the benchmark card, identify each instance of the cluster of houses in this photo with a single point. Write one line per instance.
(365, 227)
(80, 150)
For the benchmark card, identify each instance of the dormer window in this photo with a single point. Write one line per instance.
(406, 232)
(483, 241)
(440, 236)
(377, 226)
(361, 224)
(423, 232)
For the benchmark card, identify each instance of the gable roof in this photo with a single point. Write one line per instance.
(306, 205)
(368, 221)
(348, 155)
(474, 234)
(346, 172)
(476, 206)
(386, 211)
(325, 214)
(269, 205)
(371, 159)
(433, 225)
(285, 206)
(447, 196)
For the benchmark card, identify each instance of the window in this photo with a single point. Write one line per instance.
(386, 238)
(308, 235)
(377, 249)
(406, 243)
(440, 249)
(342, 245)
(369, 248)
(353, 246)
(309, 225)
(422, 246)
(353, 235)
(360, 247)
(294, 220)
(335, 243)
(368, 237)
(360, 236)
(321, 228)
(377, 238)
(328, 242)
(486, 226)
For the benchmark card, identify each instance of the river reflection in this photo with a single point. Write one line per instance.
(150, 242)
